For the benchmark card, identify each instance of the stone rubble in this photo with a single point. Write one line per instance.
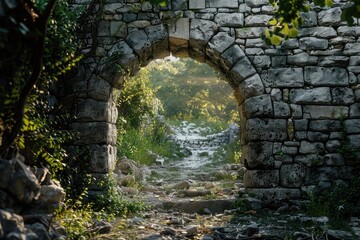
(28, 198)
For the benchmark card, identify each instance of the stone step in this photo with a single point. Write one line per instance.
(212, 206)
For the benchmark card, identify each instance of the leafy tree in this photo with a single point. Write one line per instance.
(37, 47)
(191, 90)
(22, 45)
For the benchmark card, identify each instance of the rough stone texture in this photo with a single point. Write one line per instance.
(292, 175)
(23, 185)
(261, 178)
(295, 99)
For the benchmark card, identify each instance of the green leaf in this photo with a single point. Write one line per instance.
(273, 22)
(328, 3)
(275, 40)
(293, 32)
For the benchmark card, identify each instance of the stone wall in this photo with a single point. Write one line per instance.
(299, 103)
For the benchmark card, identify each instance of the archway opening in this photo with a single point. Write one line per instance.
(181, 118)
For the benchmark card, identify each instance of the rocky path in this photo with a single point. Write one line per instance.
(195, 198)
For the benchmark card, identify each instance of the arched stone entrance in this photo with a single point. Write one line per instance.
(299, 103)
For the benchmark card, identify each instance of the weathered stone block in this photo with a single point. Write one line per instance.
(224, 3)
(301, 124)
(256, 3)
(326, 112)
(266, 129)
(322, 176)
(296, 111)
(23, 184)
(281, 110)
(331, 16)
(334, 159)
(258, 155)
(312, 43)
(231, 56)
(123, 54)
(115, 8)
(258, 106)
(283, 77)
(317, 136)
(262, 62)
(97, 89)
(292, 151)
(253, 50)
(250, 87)
(118, 29)
(196, 4)
(320, 32)
(95, 133)
(230, 19)
(92, 110)
(257, 20)
(200, 32)
(261, 178)
(158, 38)
(309, 18)
(302, 59)
(275, 195)
(310, 160)
(311, 147)
(352, 126)
(102, 159)
(324, 125)
(333, 61)
(333, 145)
(349, 31)
(355, 110)
(290, 44)
(354, 60)
(292, 175)
(218, 44)
(319, 95)
(104, 29)
(342, 96)
(352, 49)
(250, 32)
(179, 33)
(139, 41)
(242, 70)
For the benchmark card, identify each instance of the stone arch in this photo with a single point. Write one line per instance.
(290, 98)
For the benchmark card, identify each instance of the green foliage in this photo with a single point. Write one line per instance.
(42, 137)
(189, 90)
(141, 144)
(137, 101)
(242, 204)
(229, 153)
(141, 133)
(287, 18)
(112, 202)
(76, 218)
(337, 203)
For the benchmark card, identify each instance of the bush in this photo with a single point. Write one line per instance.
(112, 202)
(338, 203)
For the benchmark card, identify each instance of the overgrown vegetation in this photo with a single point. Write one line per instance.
(142, 133)
(113, 202)
(338, 203)
(192, 91)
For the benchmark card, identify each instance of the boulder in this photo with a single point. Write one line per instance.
(24, 184)
(127, 166)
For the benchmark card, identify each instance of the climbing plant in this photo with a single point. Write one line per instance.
(287, 17)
